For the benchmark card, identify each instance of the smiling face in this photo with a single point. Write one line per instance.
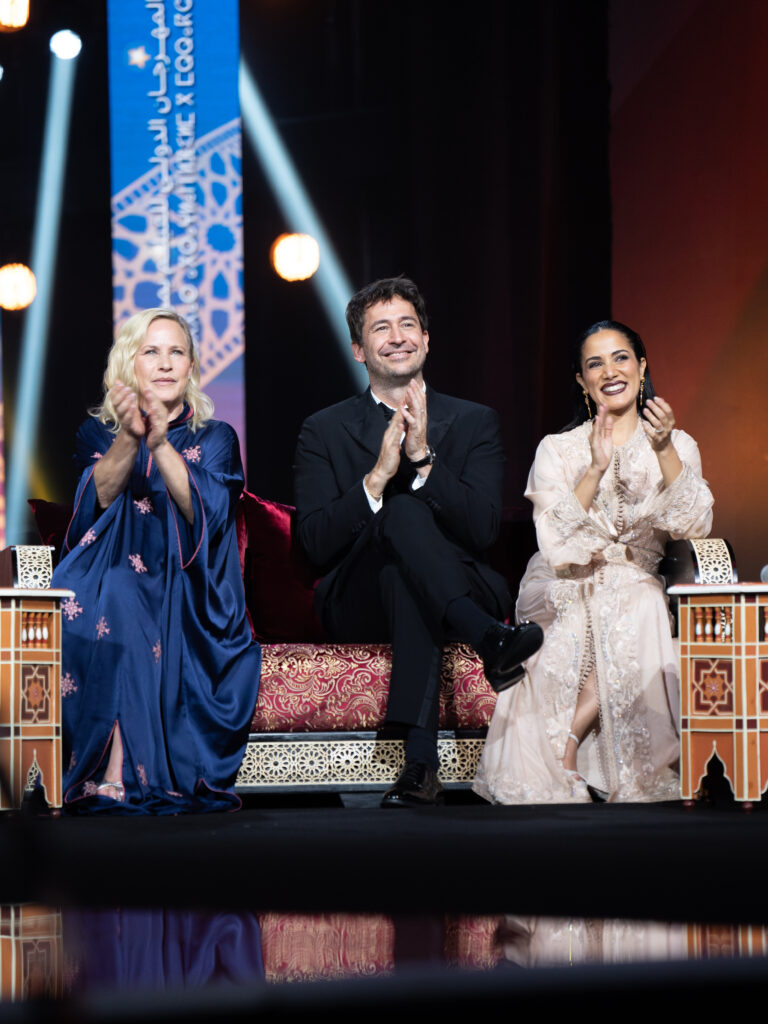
(163, 362)
(393, 345)
(610, 371)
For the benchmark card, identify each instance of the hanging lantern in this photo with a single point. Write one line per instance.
(14, 15)
(295, 257)
(18, 286)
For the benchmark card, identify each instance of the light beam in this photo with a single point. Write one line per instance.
(334, 290)
(35, 333)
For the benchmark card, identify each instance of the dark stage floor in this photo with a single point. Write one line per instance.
(170, 912)
(662, 861)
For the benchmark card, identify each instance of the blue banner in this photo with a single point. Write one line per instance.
(175, 144)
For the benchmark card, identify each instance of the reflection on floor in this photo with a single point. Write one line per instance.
(59, 953)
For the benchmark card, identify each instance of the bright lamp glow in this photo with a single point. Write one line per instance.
(13, 14)
(65, 44)
(18, 286)
(295, 257)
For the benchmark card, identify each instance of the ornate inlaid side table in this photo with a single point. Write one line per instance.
(30, 676)
(31, 953)
(723, 634)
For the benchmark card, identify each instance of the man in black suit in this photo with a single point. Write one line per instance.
(398, 495)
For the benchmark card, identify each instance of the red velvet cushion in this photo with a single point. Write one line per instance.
(279, 580)
(51, 521)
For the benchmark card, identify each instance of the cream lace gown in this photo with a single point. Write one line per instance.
(593, 588)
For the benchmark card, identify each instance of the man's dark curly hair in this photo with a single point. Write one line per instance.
(383, 291)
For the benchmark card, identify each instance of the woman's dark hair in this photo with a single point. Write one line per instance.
(636, 343)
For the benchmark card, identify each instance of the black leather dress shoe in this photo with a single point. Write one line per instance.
(504, 648)
(417, 786)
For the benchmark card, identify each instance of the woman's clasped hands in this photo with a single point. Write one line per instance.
(152, 426)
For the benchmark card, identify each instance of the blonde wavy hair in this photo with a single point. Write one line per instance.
(120, 367)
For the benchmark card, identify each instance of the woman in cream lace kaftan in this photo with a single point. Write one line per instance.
(593, 587)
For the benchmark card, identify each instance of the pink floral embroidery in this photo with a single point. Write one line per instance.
(144, 505)
(89, 788)
(142, 774)
(172, 792)
(157, 650)
(138, 563)
(192, 454)
(72, 762)
(97, 455)
(87, 538)
(102, 628)
(71, 609)
(68, 685)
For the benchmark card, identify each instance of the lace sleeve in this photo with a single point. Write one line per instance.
(684, 509)
(566, 534)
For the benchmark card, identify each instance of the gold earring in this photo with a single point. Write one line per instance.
(586, 399)
(642, 389)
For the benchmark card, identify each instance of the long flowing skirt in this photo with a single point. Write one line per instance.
(614, 622)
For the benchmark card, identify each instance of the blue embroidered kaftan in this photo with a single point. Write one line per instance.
(156, 637)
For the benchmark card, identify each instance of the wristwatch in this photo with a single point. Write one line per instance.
(428, 459)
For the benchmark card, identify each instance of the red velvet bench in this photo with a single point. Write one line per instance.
(321, 705)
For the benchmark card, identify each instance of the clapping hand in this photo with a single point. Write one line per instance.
(658, 422)
(601, 439)
(157, 418)
(414, 411)
(388, 461)
(127, 409)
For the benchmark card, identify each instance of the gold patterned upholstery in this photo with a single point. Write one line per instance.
(320, 704)
(343, 687)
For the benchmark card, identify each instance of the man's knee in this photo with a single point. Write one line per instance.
(400, 516)
(390, 582)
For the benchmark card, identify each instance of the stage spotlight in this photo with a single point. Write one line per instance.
(295, 257)
(14, 15)
(34, 338)
(18, 286)
(65, 44)
(333, 288)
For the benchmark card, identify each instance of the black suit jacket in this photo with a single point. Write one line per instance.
(339, 445)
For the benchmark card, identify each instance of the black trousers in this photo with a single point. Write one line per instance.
(395, 586)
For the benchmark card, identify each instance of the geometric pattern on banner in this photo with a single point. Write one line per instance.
(176, 171)
(215, 291)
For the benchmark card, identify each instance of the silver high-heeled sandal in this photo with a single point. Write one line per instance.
(599, 796)
(118, 787)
